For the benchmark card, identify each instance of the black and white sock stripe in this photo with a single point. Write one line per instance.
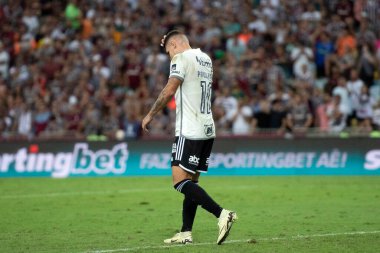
(180, 186)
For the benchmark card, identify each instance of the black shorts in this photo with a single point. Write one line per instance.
(191, 155)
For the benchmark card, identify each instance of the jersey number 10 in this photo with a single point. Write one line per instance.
(206, 97)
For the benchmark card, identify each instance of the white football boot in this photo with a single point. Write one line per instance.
(180, 238)
(226, 219)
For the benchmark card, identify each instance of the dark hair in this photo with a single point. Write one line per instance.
(168, 36)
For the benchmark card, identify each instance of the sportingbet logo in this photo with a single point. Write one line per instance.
(194, 160)
(372, 160)
(82, 161)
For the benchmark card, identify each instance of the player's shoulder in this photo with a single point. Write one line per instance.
(183, 56)
(194, 51)
(191, 53)
(177, 58)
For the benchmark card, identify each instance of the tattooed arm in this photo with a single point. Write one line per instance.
(164, 97)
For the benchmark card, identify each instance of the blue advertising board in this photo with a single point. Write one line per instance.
(229, 157)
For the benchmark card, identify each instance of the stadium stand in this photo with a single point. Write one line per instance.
(91, 69)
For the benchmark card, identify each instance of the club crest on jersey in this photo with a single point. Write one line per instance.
(174, 66)
(209, 130)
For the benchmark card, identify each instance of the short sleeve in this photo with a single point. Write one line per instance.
(177, 67)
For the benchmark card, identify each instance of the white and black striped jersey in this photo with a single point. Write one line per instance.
(193, 98)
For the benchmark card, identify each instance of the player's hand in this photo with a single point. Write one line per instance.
(146, 122)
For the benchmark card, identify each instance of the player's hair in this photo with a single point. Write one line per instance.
(169, 35)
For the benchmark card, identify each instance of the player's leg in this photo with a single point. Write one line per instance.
(226, 218)
(180, 177)
(185, 163)
(189, 206)
(199, 196)
(182, 183)
(189, 209)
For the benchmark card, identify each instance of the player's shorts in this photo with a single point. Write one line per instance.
(191, 155)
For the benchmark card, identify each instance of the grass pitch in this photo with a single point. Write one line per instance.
(135, 214)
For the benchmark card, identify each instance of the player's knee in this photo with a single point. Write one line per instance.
(195, 177)
(179, 175)
(179, 185)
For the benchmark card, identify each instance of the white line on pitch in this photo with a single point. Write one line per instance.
(62, 194)
(296, 237)
(125, 191)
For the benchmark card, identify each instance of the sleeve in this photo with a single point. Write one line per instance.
(178, 67)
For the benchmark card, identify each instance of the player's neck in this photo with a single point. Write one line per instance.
(184, 48)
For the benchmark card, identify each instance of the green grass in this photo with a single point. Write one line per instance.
(135, 214)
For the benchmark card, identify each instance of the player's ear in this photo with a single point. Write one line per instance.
(172, 42)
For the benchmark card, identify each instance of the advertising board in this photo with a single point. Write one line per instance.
(229, 157)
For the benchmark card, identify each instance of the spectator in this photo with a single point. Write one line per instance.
(299, 117)
(4, 62)
(335, 26)
(354, 86)
(256, 41)
(321, 117)
(324, 47)
(342, 91)
(278, 115)
(216, 48)
(257, 23)
(375, 91)
(134, 71)
(367, 65)
(229, 104)
(155, 63)
(365, 35)
(98, 59)
(274, 76)
(41, 117)
(376, 117)
(132, 125)
(335, 114)
(243, 122)
(236, 47)
(91, 119)
(245, 35)
(304, 76)
(281, 95)
(72, 117)
(301, 55)
(24, 119)
(311, 14)
(109, 123)
(370, 10)
(344, 9)
(345, 42)
(73, 15)
(30, 20)
(263, 114)
(364, 111)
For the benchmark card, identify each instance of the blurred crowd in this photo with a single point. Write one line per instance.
(93, 68)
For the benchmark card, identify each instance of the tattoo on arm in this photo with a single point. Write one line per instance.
(161, 102)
